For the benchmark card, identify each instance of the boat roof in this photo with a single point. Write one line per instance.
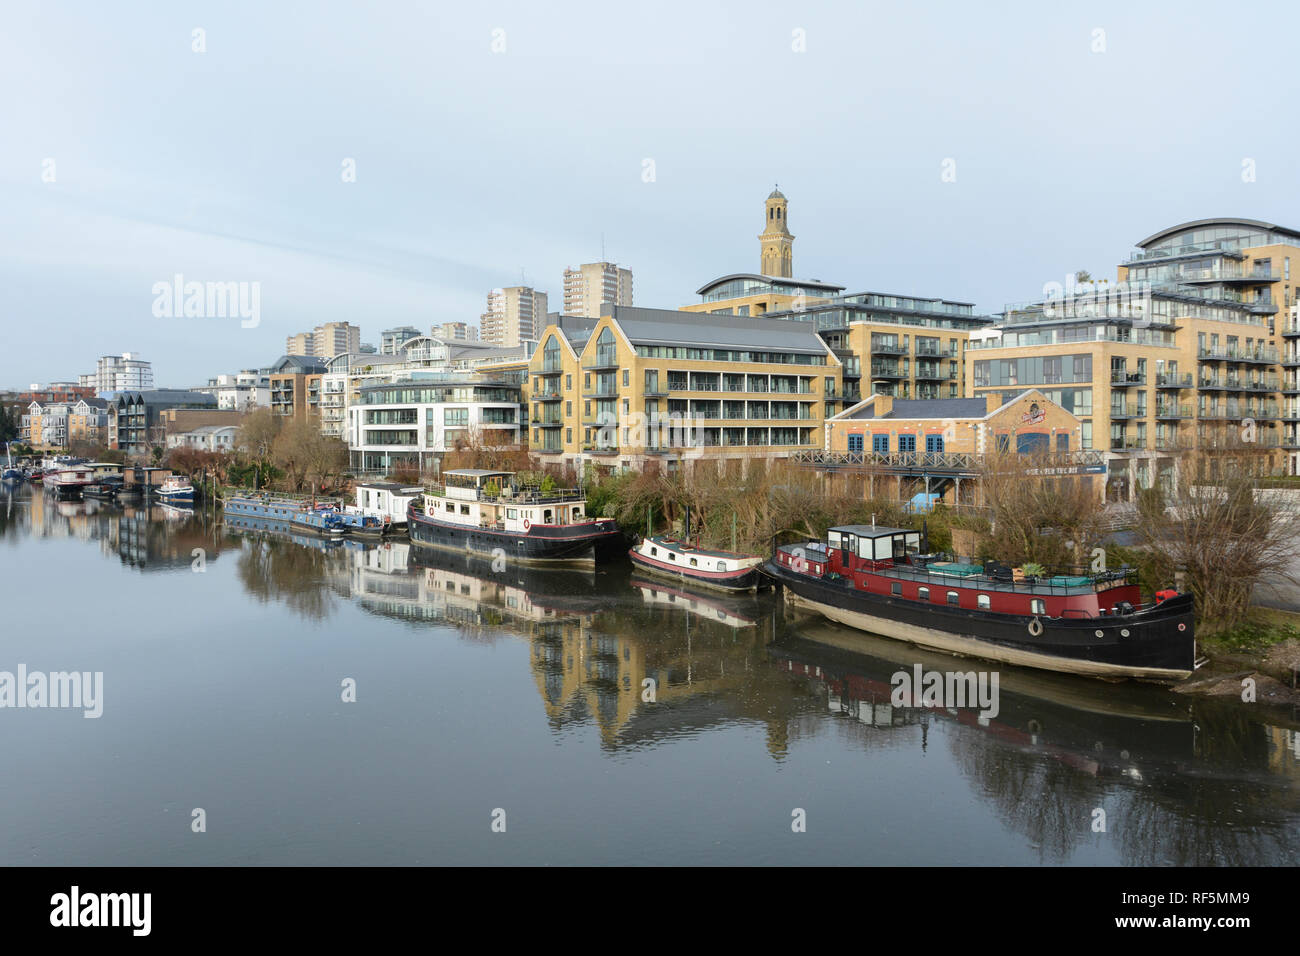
(390, 486)
(475, 472)
(872, 531)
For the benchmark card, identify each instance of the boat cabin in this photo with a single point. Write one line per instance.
(889, 562)
(386, 500)
(479, 498)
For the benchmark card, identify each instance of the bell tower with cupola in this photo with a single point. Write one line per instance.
(776, 242)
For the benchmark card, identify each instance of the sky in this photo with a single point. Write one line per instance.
(388, 163)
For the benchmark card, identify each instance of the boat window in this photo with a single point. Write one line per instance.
(953, 598)
(694, 563)
(896, 588)
(982, 601)
(914, 542)
(865, 548)
(923, 594)
(464, 509)
(577, 513)
(1037, 606)
(451, 507)
(654, 552)
(833, 539)
(671, 556)
(722, 565)
(884, 548)
(512, 512)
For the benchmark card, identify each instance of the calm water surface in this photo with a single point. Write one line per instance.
(522, 690)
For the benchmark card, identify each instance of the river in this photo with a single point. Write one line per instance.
(270, 699)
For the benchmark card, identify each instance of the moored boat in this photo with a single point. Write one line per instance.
(302, 515)
(876, 579)
(487, 512)
(176, 490)
(684, 561)
(68, 480)
(386, 500)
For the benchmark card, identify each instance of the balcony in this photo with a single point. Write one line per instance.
(1174, 380)
(1225, 383)
(547, 396)
(1127, 411)
(888, 349)
(605, 359)
(1173, 411)
(1119, 378)
(886, 372)
(1265, 356)
(923, 374)
(1127, 444)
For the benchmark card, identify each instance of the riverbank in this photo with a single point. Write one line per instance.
(1265, 650)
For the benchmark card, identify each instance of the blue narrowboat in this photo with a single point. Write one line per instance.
(299, 514)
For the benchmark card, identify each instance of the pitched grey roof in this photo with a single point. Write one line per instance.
(671, 327)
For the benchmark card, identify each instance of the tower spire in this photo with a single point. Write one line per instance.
(775, 242)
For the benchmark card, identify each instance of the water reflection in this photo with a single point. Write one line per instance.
(1183, 781)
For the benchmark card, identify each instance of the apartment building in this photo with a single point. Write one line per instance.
(242, 391)
(391, 340)
(415, 422)
(456, 332)
(515, 315)
(325, 341)
(295, 383)
(126, 372)
(641, 385)
(1181, 352)
(136, 422)
(594, 284)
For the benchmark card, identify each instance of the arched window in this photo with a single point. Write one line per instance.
(551, 355)
(982, 601)
(606, 351)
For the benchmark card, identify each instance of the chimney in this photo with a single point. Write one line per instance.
(993, 402)
(882, 405)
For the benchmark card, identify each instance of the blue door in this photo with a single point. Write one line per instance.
(880, 444)
(934, 444)
(855, 443)
(906, 443)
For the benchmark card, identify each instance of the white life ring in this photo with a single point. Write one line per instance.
(527, 524)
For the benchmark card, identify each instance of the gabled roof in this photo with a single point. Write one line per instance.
(743, 333)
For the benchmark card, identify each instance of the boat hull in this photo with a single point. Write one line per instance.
(745, 579)
(575, 544)
(1157, 644)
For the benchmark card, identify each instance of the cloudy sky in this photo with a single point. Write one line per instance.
(496, 143)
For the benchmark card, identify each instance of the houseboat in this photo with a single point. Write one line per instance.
(877, 579)
(176, 490)
(300, 515)
(683, 561)
(68, 480)
(106, 479)
(385, 500)
(487, 512)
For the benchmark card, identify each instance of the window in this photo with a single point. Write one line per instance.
(654, 552)
(880, 444)
(464, 509)
(982, 601)
(923, 594)
(451, 507)
(722, 565)
(627, 377)
(694, 563)
(934, 444)
(896, 589)
(512, 512)
(953, 598)
(455, 416)
(671, 556)
(855, 443)
(1037, 606)
(906, 443)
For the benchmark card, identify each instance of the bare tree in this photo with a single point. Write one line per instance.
(1222, 531)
